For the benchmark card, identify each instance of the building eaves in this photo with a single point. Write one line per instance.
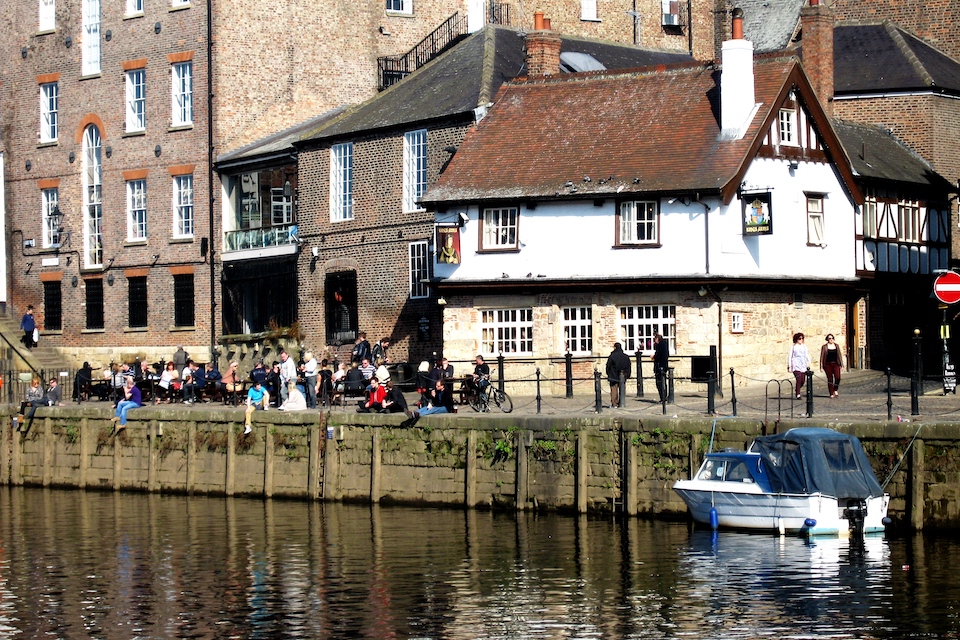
(275, 145)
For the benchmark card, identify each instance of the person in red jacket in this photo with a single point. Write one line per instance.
(375, 397)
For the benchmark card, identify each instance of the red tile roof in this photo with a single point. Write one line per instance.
(650, 130)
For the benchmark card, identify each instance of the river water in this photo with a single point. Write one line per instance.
(77, 564)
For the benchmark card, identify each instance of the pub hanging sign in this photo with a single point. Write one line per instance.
(448, 244)
(757, 214)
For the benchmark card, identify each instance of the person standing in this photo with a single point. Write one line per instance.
(831, 362)
(28, 324)
(310, 369)
(180, 358)
(361, 349)
(288, 372)
(798, 361)
(132, 400)
(661, 364)
(617, 363)
(379, 353)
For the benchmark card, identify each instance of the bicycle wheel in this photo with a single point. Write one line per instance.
(502, 400)
(478, 401)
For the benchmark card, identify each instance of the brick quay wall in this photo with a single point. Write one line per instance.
(598, 464)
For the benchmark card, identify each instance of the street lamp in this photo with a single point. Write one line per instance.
(56, 225)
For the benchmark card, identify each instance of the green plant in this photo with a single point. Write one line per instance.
(72, 433)
(502, 451)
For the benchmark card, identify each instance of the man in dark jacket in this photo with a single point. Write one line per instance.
(618, 363)
(661, 363)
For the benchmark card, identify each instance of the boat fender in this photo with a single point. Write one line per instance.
(810, 523)
(714, 519)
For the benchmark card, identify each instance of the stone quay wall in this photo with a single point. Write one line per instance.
(601, 464)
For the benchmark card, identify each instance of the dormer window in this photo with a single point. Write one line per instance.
(788, 128)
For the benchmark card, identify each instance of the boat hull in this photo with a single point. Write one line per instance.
(749, 507)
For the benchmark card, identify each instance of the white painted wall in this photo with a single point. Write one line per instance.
(576, 240)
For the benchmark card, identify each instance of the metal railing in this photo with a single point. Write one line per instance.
(260, 238)
(393, 69)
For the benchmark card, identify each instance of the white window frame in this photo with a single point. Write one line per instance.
(341, 182)
(181, 93)
(90, 47)
(420, 261)
(400, 6)
(506, 331)
(179, 3)
(815, 220)
(639, 323)
(251, 216)
(281, 207)
(909, 219)
(47, 18)
(50, 200)
(92, 197)
(134, 8)
(501, 229)
(578, 330)
(639, 223)
(736, 322)
(183, 206)
(787, 127)
(136, 210)
(136, 82)
(414, 169)
(49, 112)
(870, 220)
(588, 10)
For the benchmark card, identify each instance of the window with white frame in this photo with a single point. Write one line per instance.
(506, 331)
(50, 200)
(670, 13)
(136, 100)
(414, 168)
(179, 3)
(400, 6)
(136, 210)
(578, 329)
(134, 7)
(639, 223)
(48, 15)
(419, 269)
(183, 206)
(588, 9)
(49, 111)
(870, 228)
(182, 94)
(341, 182)
(909, 221)
(92, 197)
(499, 229)
(281, 206)
(736, 322)
(815, 220)
(788, 127)
(638, 325)
(90, 55)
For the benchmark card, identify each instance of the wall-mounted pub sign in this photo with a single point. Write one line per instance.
(448, 244)
(757, 213)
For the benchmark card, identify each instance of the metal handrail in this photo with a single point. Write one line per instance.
(393, 69)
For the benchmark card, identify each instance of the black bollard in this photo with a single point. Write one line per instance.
(639, 374)
(569, 359)
(711, 392)
(622, 390)
(916, 379)
(809, 393)
(538, 389)
(596, 391)
(670, 396)
(889, 396)
(733, 394)
(502, 373)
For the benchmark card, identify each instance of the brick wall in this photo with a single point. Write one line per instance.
(101, 99)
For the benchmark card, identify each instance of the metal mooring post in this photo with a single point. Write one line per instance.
(569, 359)
(809, 393)
(889, 395)
(639, 374)
(733, 393)
(711, 392)
(596, 391)
(622, 391)
(538, 389)
(501, 377)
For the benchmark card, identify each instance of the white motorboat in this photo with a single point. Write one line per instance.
(812, 481)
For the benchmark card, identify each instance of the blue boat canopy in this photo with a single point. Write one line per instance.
(815, 460)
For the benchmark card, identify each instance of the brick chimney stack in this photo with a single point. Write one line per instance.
(543, 49)
(817, 22)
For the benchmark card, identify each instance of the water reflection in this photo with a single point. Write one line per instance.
(104, 565)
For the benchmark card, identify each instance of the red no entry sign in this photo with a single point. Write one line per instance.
(947, 287)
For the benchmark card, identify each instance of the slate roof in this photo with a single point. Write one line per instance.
(468, 76)
(876, 154)
(770, 24)
(275, 144)
(647, 131)
(886, 58)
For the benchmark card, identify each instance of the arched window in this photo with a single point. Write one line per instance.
(92, 198)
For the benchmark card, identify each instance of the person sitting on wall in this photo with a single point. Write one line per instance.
(394, 402)
(258, 399)
(132, 400)
(189, 386)
(441, 402)
(295, 400)
(375, 397)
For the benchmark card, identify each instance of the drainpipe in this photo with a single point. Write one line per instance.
(211, 227)
(706, 266)
(706, 234)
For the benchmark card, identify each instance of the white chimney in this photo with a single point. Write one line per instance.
(737, 97)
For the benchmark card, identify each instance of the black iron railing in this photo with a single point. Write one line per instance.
(393, 69)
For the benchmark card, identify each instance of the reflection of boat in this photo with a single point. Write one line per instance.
(808, 480)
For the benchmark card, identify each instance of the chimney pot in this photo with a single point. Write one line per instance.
(546, 24)
(538, 21)
(814, 3)
(738, 24)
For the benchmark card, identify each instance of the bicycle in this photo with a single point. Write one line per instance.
(482, 399)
